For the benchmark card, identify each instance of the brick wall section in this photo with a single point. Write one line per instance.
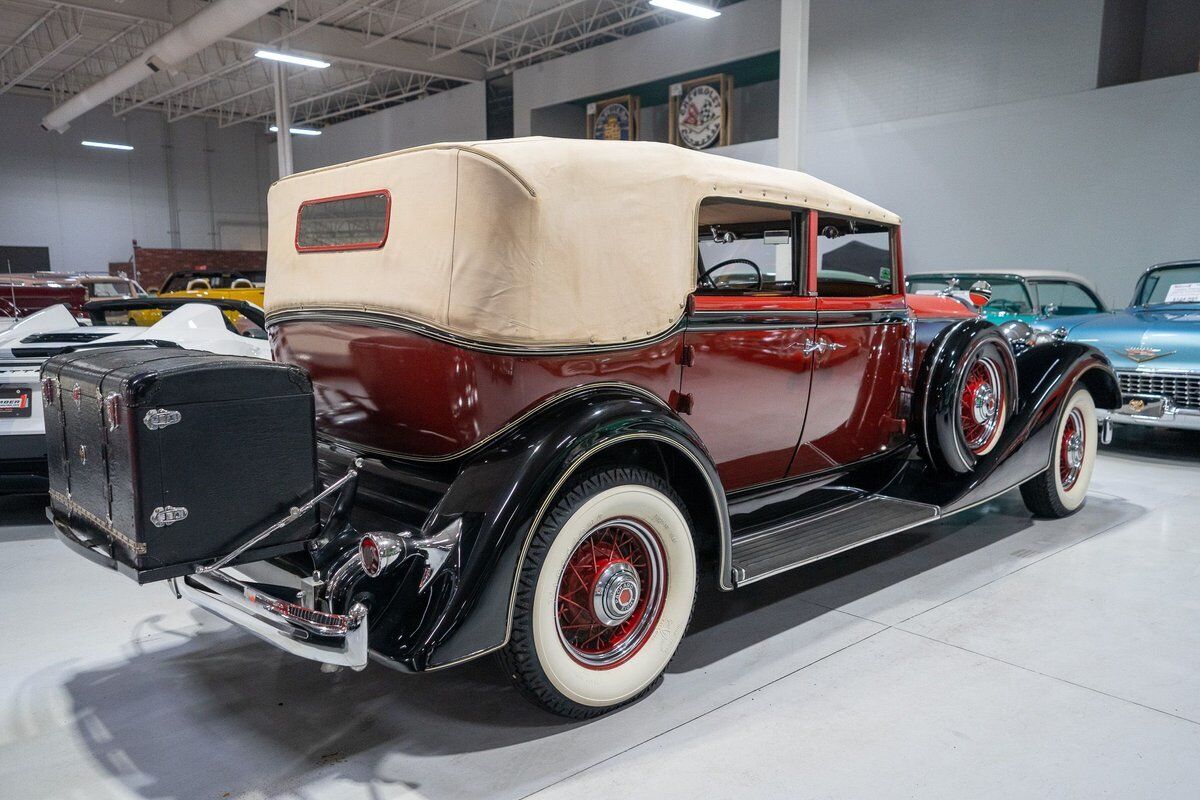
(154, 264)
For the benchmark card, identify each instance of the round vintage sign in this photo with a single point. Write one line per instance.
(612, 123)
(699, 119)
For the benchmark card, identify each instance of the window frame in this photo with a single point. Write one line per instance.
(812, 231)
(338, 248)
(1036, 285)
(797, 221)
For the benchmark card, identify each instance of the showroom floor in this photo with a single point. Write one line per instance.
(985, 655)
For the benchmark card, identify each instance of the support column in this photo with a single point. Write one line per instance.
(283, 121)
(793, 81)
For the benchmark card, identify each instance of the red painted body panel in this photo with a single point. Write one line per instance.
(854, 405)
(20, 298)
(931, 306)
(397, 391)
(749, 388)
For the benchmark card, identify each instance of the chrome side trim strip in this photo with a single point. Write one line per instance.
(399, 322)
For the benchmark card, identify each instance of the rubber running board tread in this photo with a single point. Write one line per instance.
(759, 554)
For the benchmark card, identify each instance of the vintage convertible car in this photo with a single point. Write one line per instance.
(208, 284)
(1025, 295)
(557, 384)
(54, 330)
(1155, 347)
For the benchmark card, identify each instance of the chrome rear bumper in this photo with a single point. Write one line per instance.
(337, 639)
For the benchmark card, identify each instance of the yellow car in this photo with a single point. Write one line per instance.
(210, 284)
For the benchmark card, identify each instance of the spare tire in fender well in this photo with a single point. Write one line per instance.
(937, 410)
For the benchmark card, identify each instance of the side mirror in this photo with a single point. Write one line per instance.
(983, 289)
(1050, 309)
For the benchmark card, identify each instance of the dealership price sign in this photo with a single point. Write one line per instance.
(699, 112)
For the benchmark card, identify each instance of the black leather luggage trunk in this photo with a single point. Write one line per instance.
(165, 459)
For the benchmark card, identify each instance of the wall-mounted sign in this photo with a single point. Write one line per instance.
(615, 119)
(699, 112)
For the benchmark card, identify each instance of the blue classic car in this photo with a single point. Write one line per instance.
(1154, 346)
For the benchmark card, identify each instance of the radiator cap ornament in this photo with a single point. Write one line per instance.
(167, 515)
(158, 418)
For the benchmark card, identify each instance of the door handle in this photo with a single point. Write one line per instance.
(821, 345)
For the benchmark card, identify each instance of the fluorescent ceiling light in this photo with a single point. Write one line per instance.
(297, 131)
(684, 7)
(106, 145)
(272, 55)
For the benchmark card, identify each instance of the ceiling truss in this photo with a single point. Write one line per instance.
(382, 51)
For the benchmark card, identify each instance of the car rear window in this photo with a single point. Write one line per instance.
(349, 222)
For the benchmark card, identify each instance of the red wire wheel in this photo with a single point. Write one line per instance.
(610, 594)
(982, 405)
(1071, 450)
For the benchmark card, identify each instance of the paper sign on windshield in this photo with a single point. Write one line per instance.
(1183, 293)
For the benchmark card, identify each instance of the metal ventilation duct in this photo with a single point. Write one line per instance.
(215, 22)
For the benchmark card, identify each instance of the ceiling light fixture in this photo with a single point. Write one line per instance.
(684, 7)
(288, 58)
(106, 145)
(297, 131)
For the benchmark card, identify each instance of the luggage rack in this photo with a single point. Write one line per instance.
(339, 640)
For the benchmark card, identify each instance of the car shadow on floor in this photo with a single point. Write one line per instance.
(23, 517)
(1155, 444)
(221, 709)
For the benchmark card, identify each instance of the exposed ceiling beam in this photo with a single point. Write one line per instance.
(512, 26)
(407, 28)
(335, 44)
(54, 32)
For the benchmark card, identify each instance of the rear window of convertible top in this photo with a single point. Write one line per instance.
(349, 222)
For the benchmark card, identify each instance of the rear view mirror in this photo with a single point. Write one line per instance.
(777, 237)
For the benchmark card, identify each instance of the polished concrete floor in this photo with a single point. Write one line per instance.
(987, 655)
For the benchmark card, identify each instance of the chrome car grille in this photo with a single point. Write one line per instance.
(1182, 387)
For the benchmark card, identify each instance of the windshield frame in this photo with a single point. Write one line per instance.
(1140, 291)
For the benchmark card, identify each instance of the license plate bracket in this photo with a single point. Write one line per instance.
(1143, 405)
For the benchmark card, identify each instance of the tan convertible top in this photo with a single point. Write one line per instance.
(532, 241)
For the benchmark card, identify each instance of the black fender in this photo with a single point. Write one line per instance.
(937, 391)
(493, 506)
(1047, 374)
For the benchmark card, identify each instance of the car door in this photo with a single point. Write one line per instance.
(860, 345)
(746, 372)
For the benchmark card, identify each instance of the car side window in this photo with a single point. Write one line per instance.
(854, 258)
(1063, 298)
(745, 248)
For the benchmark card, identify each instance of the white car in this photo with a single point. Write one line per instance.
(195, 325)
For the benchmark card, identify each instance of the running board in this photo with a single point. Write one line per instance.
(763, 553)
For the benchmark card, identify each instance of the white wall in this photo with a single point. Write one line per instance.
(1104, 182)
(877, 60)
(87, 205)
(458, 114)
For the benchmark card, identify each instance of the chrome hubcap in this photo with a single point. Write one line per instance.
(616, 593)
(1071, 449)
(985, 404)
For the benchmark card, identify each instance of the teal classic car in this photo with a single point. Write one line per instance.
(1154, 347)
(1023, 295)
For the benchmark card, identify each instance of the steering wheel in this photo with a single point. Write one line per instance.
(706, 276)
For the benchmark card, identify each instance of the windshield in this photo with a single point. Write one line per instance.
(1064, 298)
(1170, 285)
(1008, 295)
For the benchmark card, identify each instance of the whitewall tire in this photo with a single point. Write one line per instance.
(605, 594)
(1062, 488)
